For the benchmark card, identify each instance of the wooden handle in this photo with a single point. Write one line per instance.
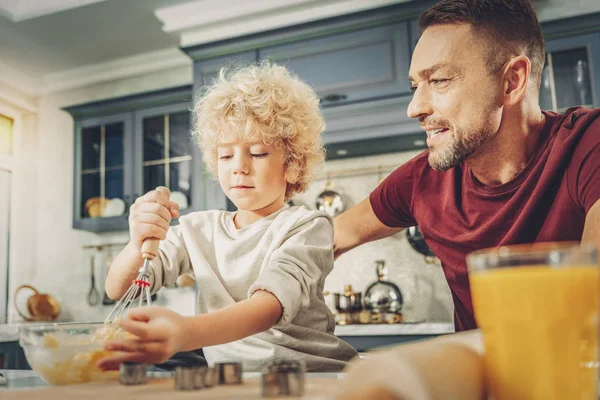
(150, 245)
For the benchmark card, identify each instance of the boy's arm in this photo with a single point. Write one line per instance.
(162, 332)
(122, 271)
(237, 321)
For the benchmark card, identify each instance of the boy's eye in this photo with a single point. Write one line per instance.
(224, 157)
(413, 88)
(259, 155)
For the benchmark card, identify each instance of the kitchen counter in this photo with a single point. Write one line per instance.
(364, 337)
(424, 328)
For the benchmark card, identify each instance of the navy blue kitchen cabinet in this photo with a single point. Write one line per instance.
(126, 146)
(350, 67)
(12, 356)
(571, 75)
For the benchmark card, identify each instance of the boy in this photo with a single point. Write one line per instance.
(260, 270)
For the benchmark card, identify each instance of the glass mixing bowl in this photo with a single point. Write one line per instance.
(65, 353)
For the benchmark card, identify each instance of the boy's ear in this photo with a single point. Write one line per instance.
(291, 176)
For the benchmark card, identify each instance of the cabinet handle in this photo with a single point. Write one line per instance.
(332, 98)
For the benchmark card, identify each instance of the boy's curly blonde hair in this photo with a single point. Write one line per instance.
(265, 103)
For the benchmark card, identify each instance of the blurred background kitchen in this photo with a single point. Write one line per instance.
(95, 100)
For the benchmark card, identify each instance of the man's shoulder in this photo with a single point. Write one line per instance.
(576, 119)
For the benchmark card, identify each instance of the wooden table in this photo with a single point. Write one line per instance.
(318, 386)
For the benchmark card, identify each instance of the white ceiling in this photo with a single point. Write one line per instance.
(20, 10)
(40, 43)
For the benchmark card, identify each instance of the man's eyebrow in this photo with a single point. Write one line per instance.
(426, 73)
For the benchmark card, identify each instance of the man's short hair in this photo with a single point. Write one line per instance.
(509, 27)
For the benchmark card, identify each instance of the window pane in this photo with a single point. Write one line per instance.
(179, 134)
(154, 138)
(179, 181)
(6, 135)
(90, 148)
(154, 176)
(113, 184)
(545, 90)
(572, 78)
(114, 145)
(90, 195)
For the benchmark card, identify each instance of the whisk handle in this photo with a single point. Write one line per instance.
(150, 245)
(150, 248)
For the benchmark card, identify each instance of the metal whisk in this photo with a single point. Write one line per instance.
(140, 287)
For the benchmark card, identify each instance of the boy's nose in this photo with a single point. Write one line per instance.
(240, 165)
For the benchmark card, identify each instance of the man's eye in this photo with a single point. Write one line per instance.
(413, 88)
(438, 81)
(259, 155)
(224, 157)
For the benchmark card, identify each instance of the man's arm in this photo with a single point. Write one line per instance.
(357, 226)
(591, 229)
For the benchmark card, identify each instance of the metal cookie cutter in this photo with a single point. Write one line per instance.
(132, 373)
(211, 376)
(186, 377)
(283, 378)
(229, 373)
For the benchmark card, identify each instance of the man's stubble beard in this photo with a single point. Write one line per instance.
(460, 149)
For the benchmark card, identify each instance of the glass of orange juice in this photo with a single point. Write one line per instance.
(538, 308)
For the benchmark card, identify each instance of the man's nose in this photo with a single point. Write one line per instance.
(420, 105)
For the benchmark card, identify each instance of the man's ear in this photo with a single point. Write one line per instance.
(516, 78)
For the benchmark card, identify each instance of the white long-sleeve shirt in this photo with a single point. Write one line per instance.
(289, 254)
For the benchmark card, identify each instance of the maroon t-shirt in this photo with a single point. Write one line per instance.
(457, 214)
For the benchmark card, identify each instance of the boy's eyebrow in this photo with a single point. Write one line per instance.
(426, 73)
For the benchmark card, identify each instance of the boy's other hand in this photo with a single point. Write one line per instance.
(150, 216)
(160, 333)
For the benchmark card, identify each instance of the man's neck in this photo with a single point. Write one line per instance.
(505, 155)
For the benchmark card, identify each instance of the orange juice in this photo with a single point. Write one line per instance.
(540, 326)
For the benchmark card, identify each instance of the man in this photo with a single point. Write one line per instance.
(498, 170)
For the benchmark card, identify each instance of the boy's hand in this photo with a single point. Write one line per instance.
(150, 215)
(160, 334)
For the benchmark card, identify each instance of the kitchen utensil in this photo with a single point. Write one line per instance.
(283, 378)
(41, 306)
(417, 242)
(185, 378)
(140, 287)
(349, 301)
(132, 373)
(229, 373)
(383, 296)
(330, 201)
(93, 297)
(107, 301)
